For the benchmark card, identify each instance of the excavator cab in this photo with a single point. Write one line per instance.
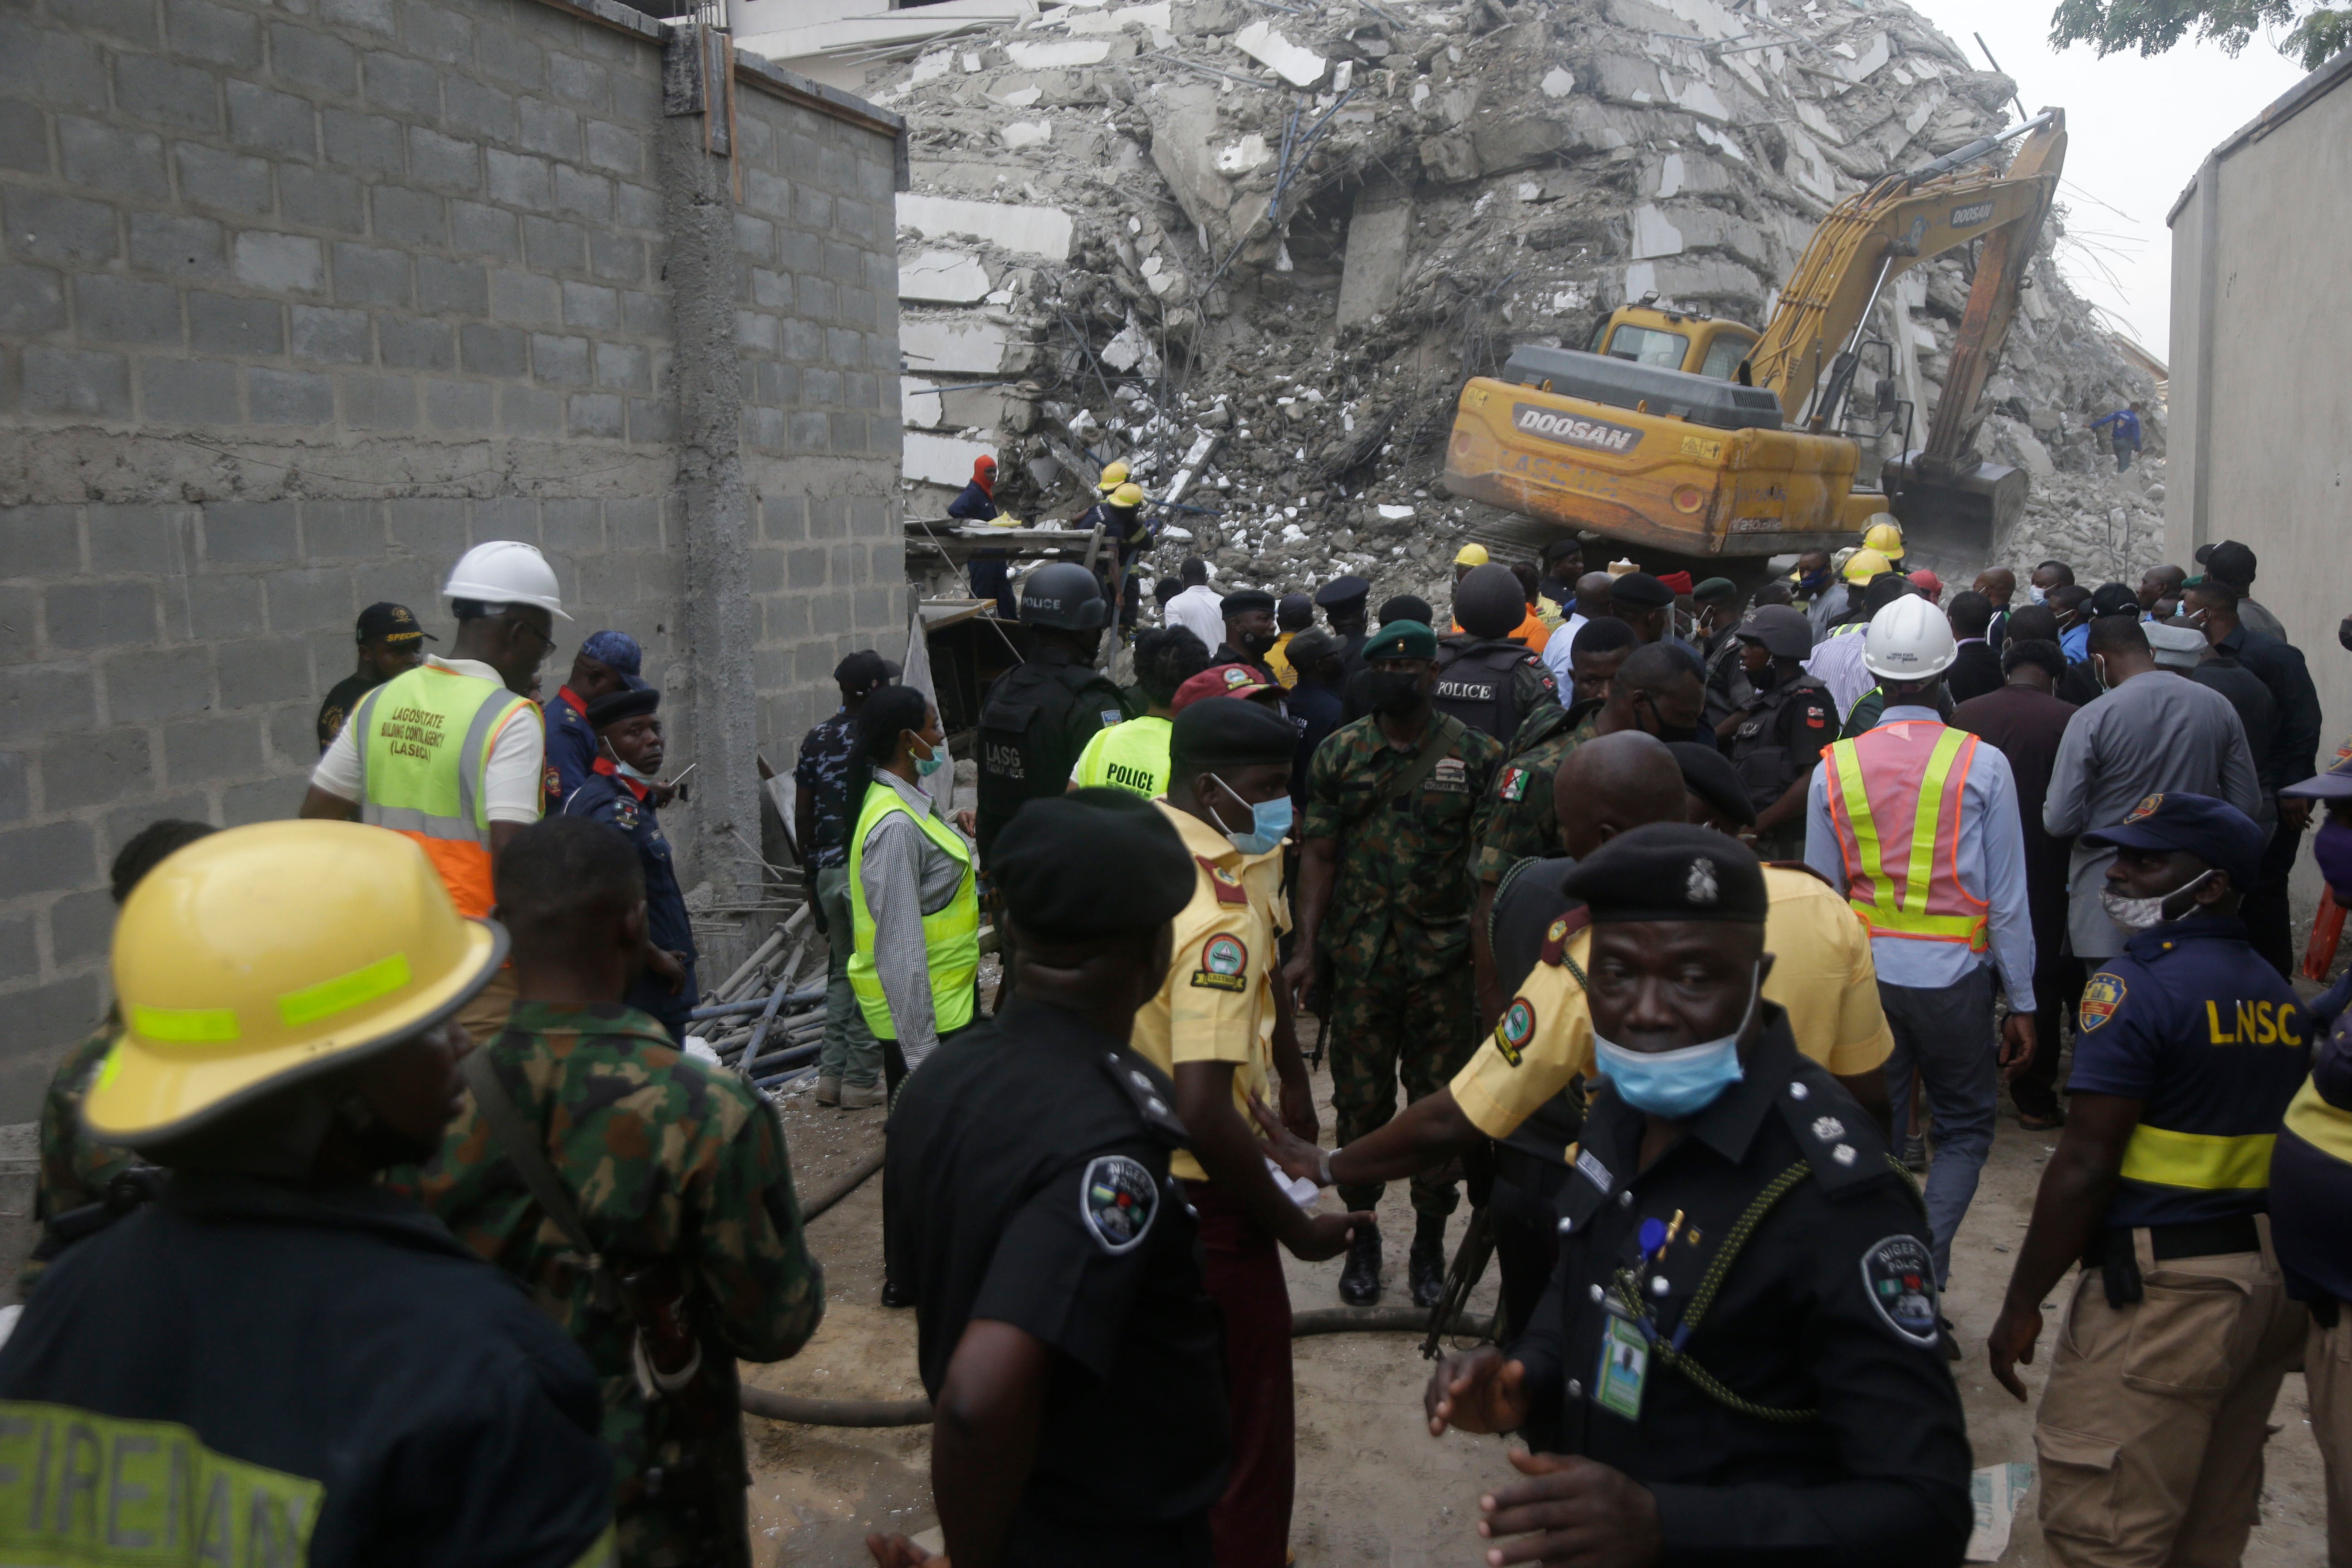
(1674, 340)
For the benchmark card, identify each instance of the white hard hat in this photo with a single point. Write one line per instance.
(1908, 640)
(506, 572)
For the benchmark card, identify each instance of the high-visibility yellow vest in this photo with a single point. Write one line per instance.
(424, 740)
(1903, 784)
(951, 937)
(1131, 756)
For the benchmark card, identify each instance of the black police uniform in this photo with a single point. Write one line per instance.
(1492, 684)
(249, 1371)
(628, 806)
(1784, 1401)
(1777, 742)
(1039, 716)
(1027, 1179)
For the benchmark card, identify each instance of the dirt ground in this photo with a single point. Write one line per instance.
(1373, 1486)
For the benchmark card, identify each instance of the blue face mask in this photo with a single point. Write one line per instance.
(925, 766)
(1675, 1084)
(1269, 821)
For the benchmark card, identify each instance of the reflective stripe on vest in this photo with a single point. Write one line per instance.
(413, 783)
(2203, 1161)
(2323, 1126)
(1928, 901)
(951, 937)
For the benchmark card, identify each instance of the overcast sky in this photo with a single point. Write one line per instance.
(2136, 131)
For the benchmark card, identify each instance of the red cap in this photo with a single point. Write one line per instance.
(1680, 581)
(1220, 680)
(1928, 583)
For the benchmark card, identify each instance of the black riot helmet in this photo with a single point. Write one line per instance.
(1064, 596)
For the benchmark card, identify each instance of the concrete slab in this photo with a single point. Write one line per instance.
(943, 277)
(1027, 133)
(1030, 230)
(918, 403)
(1264, 43)
(951, 343)
(1373, 269)
(1655, 233)
(941, 459)
(1049, 54)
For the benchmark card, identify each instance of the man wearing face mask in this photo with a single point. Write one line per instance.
(1219, 1027)
(1392, 801)
(1738, 1345)
(620, 793)
(2190, 1050)
(1917, 823)
(2047, 576)
(1818, 592)
(1251, 632)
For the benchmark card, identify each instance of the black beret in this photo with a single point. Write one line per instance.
(1309, 649)
(1092, 863)
(1243, 601)
(1295, 613)
(863, 668)
(1672, 871)
(1560, 549)
(1407, 607)
(1225, 729)
(1709, 774)
(1639, 591)
(1347, 590)
(615, 706)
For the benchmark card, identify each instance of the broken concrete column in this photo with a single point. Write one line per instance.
(1379, 231)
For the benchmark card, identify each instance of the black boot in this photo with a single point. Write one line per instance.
(1426, 1266)
(1359, 1282)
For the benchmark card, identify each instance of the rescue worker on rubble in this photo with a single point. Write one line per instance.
(621, 794)
(277, 1359)
(1125, 534)
(990, 570)
(1063, 1335)
(1485, 678)
(585, 1135)
(1885, 536)
(1468, 559)
(1041, 713)
(2190, 1049)
(1739, 1346)
(1777, 735)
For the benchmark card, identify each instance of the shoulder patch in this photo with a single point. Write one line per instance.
(1514, 786)
(1228, 889)
(1224, 963)
(1900, 1278)
(2101, 997)
(1516, 1028)
(1563, 932)
(1119, 1200)
(1450, 776)
(1152, 1095)
(624, 813)
(1111, 716)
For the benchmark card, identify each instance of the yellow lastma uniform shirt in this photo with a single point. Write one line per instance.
(1216, 1004)
(1821, 975)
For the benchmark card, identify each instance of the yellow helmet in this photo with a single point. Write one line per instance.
(1113, 476)
(1885, 536)
(1471, 556)
(266, 954)
(1863, 564)
(1127, 496)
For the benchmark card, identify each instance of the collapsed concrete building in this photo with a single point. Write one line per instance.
(1253, 250)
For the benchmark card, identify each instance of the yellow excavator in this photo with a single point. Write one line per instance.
(1701, 437)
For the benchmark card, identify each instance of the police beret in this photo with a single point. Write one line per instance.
(1347, 590)
(1243, 602)
(1400, 639)
(1222, 730)
(2214, 831)
(1639, 591)
(1407, 607)
(1309, 649)
(1296, 612)
(615, 706)
(1672, 871)
(1709, 774)
(1562, 549)
(1091, 863)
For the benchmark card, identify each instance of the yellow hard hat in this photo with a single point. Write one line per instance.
(1114, 476)
(1864, 564)
(1127, 495)
(1471, 556)
(1886, 535)
(266, 954)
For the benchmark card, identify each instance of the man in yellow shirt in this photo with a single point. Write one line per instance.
(1222, 1030)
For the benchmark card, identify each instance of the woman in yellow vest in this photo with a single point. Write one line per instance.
(1133, 756)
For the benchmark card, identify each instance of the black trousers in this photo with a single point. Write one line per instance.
(2268, 923)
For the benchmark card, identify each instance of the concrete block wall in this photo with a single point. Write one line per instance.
(298, 299)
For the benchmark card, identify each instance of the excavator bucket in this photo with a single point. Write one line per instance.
(1953, 524)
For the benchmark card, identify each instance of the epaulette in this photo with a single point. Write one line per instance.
(1563, 932)
(1229, 889)
(1149, 1090)
(1808, 869)
(1839, 1142)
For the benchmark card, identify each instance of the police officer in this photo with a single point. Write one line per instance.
(1341, 600)
(1564, 563)
(607, 662)
(1485, 678)
(1041, 713)
(586, 1135)
(620, 793)
(2188, 1049)
(1384, 889)
(390, 643)
(1739, 1343)
(278, 1360)
(1133, 755)
(1775, 735)
(1249, 633)
(1063, 1333)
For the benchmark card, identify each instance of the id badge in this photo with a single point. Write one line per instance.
(1624, 1363)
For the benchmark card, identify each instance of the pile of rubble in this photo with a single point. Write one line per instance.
(1253, 247)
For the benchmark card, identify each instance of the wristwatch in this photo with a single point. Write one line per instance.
(1323, 1168)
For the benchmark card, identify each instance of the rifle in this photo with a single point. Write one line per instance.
(1469, 1267)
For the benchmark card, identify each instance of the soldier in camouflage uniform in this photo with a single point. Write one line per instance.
(1384, 892)
(679, 1175)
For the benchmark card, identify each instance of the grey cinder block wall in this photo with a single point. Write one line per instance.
(299, 299)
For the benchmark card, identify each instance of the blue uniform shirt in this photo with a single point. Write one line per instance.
(607, 797)
(570, 748)
(2189, 1019)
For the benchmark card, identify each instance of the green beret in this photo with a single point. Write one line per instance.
(1400, 639)
(1715, 588)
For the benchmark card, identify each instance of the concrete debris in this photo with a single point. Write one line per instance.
(1299, 232)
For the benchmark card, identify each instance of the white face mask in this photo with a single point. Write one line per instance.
(2136, 915)
(2033, 594)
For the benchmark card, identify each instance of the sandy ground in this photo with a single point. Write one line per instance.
(1373, 1486)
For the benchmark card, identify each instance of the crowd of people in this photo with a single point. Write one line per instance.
(1692, 921)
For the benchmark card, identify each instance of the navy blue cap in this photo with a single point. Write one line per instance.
(2212, 830)
(615, 706)
(2334, 784)
(615, 650)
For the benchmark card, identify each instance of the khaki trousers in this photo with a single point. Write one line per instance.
(2152, 1425)
(484, 1017)
(2327, 1370)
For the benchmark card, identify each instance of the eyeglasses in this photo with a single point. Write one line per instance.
(548, 644)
